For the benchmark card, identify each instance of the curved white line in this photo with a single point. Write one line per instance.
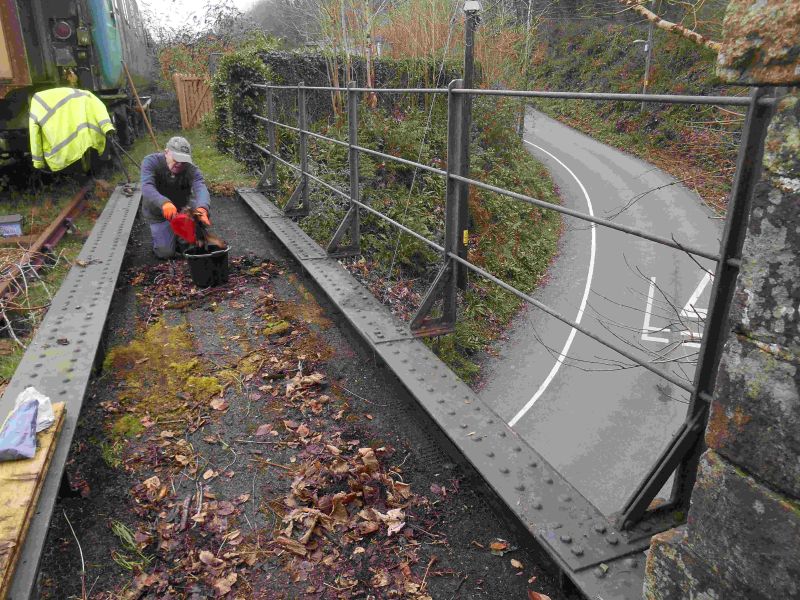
(585, 298)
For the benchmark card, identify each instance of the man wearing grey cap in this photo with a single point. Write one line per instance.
(171, 182)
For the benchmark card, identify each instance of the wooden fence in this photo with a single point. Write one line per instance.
(194, 98)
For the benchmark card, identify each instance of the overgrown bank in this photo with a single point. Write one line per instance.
(511, 240)
(695, 143)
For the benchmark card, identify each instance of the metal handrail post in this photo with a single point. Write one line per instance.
(457, 106)
(303, 125)
(352, 138)
(273, 176)
(298, 205)
(445, 286)
(351, 222)
(748, 171)
(682, 455)
(472, 20)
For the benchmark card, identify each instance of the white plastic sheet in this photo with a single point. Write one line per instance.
(45, 417)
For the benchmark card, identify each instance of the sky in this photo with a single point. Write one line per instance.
(176, 13)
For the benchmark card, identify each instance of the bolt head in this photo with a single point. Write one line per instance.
(600, 527)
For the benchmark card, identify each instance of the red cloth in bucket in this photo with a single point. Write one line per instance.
(183, 226)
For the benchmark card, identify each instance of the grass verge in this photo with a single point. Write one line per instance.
(696, 144)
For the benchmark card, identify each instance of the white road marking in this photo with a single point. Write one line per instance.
(585, 298)
(647, 329)
(690, 310)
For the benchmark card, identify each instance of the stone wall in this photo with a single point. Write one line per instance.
(742, 537)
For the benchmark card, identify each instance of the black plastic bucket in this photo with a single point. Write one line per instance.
(208, 266)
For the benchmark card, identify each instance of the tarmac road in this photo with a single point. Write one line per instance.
(597, 418)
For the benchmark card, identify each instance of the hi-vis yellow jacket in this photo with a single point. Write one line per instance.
(63, 123)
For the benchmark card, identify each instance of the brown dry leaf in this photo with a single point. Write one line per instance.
(394, 520)
(208, 558)
(380, 579)
(219, 404)
(209, 474)
(224, 585)
(537, 596)
(516, 564)
(367, 527)
(225, 508)
(343, 581)
(264, 429)
(403, 489)
(333, 450)
(292, 545)
(339, 512)
(368, 456)
(152, 484)
(498, 545)
(182, 459)
(303, 431)
(339, 466)
(167, 434)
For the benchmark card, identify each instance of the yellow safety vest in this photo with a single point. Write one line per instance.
(63, 123)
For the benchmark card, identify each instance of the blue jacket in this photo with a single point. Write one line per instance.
(159, 186)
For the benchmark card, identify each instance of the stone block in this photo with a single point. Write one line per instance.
(674, 572)
(755, 416)
(760, 42)
(743, 530)
(765, 306)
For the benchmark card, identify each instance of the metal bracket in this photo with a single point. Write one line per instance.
(265, 183)
(346, 227)
(680, 444)
(297, 206)
(422, 325)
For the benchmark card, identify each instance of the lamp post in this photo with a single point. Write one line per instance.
(648, 48)
(472, 9)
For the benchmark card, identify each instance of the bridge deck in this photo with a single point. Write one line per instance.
(602, 561)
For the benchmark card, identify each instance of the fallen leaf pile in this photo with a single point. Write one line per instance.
(168, 285)
(297, 500)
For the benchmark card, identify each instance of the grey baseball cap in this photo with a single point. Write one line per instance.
(181, 149)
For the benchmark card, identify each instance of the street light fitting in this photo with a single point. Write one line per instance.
(472, 7)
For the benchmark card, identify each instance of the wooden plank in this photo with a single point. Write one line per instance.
(20, 484)
(19, 240)
(199, 100)
(176, 79)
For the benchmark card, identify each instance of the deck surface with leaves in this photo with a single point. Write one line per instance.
(241, 444)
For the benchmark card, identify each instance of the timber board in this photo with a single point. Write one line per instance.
(20, 484)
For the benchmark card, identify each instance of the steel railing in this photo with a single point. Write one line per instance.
(682, 453)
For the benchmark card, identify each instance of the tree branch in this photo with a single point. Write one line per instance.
(697, 38)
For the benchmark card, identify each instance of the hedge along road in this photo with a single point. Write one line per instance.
(598, 419)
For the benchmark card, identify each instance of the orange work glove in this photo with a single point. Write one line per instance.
(203, 216)
(169, 210)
